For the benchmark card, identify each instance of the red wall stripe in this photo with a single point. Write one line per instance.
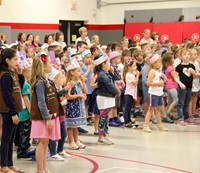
(37, 26)
(105, 27)
(31, 26)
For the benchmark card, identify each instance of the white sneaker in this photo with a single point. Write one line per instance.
(110, 140)
(56, 157)
(104, 141)
(64, 154)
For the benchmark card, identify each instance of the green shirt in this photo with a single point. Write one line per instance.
(24, 115)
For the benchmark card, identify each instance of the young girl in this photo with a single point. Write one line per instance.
(155, 82)
(186, 73)
(172, 82)
(95, 110)
(131, 76)
(11, 79)
(195, 85)
(75, 109)
(56, 151)
(45, 109)
(105, 97)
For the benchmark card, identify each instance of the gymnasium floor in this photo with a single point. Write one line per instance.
(176, 151)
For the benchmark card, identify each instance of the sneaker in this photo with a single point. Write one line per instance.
(162, 128)
(167, 120)
(121, 119)
(113, 123)
(104, 141)
(118, 121)
(80, 145)
(56, 157)
(154, 121)
(34, 142)
(189, 120)
(146, 128)
(96, 133)
(63, 154)
(129, 125)
(181, 122)
(110, 140)
(82, 131)
(24, 157)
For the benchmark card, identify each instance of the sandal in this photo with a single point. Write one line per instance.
(80, 145)
(15, 169)
(73, 146)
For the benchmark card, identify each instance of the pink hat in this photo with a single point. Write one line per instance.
(114, 54)
(154, 59)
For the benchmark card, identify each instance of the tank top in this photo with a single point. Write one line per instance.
(155, 90)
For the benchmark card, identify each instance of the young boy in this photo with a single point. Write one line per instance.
(115, 58)
(24, 118)
(57, 153)
(138, 55)
(81, 46)
(87, 71)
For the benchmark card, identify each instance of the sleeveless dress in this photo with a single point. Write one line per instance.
(75, 109)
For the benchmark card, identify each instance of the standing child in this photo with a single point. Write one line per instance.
(87, 71)
(172, 82)
(186, 73)
(56, 151)
(11, 104)
(155, 82)
(29, 54)
(115, 58)
(105, 97)
(138, 55)
(45, 109)
(131, 76)
(75, 108)
(24, 118)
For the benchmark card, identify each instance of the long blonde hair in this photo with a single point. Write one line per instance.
(37, 71)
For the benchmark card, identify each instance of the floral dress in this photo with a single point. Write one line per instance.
(75, 109)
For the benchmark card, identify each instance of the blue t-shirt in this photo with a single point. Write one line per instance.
(84, 69)
(24, 115)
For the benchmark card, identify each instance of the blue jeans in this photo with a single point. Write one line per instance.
(183, 102)
(127, 109)
(61, 142)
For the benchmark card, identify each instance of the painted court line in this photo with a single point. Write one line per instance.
(134, 161)
(143, 170)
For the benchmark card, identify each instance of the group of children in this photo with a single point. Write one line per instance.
(51, 92)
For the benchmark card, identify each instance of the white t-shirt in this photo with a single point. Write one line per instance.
(195, 83)
(177, 61)
(80, 39)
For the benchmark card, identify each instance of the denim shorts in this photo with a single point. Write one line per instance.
(194, 93)
(155, 100)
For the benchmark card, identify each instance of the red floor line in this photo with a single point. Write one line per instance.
(95, 164)
(127, 160)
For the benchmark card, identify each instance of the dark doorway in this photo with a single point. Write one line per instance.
(70, 30)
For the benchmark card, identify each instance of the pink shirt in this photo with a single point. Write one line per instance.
(130, 88)
(170, 83)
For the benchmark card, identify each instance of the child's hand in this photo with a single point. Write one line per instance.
(111, 70)
(83, 96)
(161, 83)
(183, 87)
(137, 73)
(123, 84)
(83, 79)
(15, 119)
(49, 124)
(90, 67)
(64, 102)
(192, 70)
